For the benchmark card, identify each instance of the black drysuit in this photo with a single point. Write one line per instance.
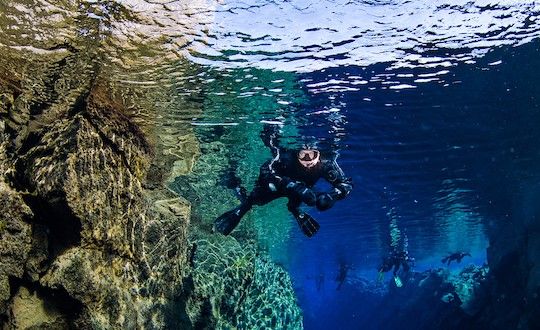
(284, 176)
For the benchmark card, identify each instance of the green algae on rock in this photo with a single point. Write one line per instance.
(235, 287)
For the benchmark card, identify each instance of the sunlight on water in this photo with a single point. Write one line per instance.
(309, 36)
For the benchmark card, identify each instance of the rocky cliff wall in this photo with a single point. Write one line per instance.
(513, 255)
(80, 230)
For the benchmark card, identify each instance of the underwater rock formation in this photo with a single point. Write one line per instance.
(78, 226)
(438, 299)
(434, 299)
(15, 232)
(513, 230)
(514, 279)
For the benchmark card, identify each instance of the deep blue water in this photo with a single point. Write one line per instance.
(438, 165)
(447, 161)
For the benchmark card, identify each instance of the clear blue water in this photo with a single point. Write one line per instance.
(442, 162)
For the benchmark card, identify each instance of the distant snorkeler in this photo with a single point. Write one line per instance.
(457, 256)
(291, 174)
(396, 259)
(319, 281)
(342, 274)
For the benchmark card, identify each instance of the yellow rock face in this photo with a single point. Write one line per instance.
(30, 311)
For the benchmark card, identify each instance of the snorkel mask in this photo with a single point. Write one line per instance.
(308, 157)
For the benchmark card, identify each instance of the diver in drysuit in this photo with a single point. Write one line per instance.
(457, 256)
(396, 259)
(292, 174)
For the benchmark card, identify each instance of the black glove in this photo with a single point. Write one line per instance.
(300, 190)
(278, 183)
(341, 191)
(274, 183)
(325, 201)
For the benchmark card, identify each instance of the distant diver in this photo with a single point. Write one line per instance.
(291, 174)
(319, 281)
(457, 256)
(342, 274)
(396, 259)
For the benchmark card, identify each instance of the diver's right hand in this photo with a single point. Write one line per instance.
(325, 201)
(300, 190)
(276, 182)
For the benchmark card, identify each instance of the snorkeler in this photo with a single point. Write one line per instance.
(319, 281)
(342, 274)
(457, 256)
(291, 174)
(396, 260)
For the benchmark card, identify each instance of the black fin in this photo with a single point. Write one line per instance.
(241, 193)
(226, 223)
(307, 224)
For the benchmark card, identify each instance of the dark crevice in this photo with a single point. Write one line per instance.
(38, 260)
(205, 320)
(31, 140)
(37, 108)
(66, 46)
(64, 228)
(80, 104)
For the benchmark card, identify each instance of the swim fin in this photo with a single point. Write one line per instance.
(380, 277)
(308, 225)
(398, 282)
(228, 221)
